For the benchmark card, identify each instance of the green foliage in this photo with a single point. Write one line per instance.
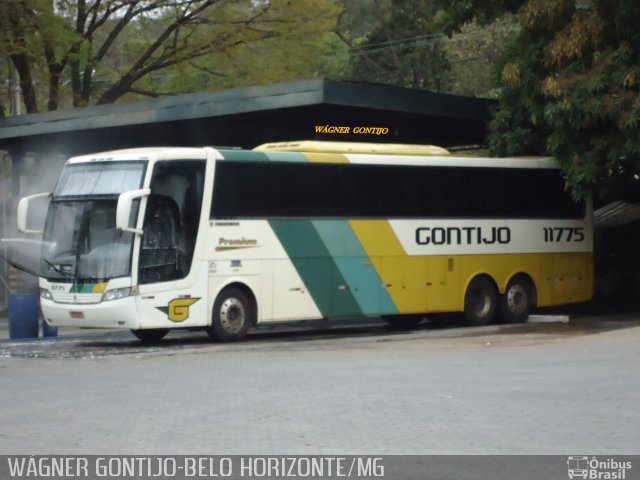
(27, 30)
(403, 46)
(81, 52)
(292, 40)
(569, 88)
(427, 44)
(567, 73)
(473, 52)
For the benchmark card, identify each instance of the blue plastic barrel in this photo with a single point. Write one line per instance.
(49, 330)
(23, 316)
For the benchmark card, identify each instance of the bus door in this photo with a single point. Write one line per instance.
(166, 255)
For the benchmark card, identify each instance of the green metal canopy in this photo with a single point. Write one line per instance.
(246, 117)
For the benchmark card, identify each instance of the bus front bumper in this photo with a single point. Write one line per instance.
(113, 314)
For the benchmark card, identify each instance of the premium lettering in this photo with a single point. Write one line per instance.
(237, 242)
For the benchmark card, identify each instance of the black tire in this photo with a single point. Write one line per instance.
(233, 314)
(151, 335)
(518, 300)
(480, 301)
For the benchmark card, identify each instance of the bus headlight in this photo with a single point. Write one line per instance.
(46, 294)
(116, 294)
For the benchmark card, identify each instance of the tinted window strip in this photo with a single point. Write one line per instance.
(286, 190)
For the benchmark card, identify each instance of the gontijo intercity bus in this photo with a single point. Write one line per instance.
(159, 238)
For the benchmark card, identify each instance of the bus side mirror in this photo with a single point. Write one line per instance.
(23, 210)
(123, 211)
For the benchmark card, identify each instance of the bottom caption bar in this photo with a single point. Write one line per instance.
(450, 467)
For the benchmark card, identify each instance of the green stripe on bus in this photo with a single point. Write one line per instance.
(356, 267)
(81, 288)
(244, 155)
(316, 267)
(260, 156)
(287, 157)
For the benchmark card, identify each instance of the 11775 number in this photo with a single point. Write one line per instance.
(563, 234)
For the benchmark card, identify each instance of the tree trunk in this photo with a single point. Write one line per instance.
(54, 87)
(21, 63)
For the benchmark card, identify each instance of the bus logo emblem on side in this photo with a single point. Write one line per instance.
(178, 309)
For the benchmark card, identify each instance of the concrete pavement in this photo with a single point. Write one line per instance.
(515, 389)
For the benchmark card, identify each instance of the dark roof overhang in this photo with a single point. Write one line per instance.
(246, 117)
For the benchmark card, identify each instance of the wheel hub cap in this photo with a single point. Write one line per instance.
(232, 315)
(517, 299)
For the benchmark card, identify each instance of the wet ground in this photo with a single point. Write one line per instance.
(440, 333)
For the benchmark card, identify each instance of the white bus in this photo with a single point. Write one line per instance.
(159, 238)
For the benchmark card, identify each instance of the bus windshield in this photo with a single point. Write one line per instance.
(99, 178)
(81, 242)
(80, 237)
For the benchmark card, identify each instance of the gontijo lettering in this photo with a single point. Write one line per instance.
(354, 130)
(462, 235)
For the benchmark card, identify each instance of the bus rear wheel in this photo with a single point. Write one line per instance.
(233, 314)
(518, 300)
(151, 335)
(480, 301)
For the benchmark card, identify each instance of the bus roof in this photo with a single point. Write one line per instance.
(313, 146)
(377, 154)
(144, 153)
(336, 152)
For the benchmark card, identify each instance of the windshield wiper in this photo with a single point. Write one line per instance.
(57, 269)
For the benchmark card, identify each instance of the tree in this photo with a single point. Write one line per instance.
(569, 87)
(406, 42)
(473, 53)
(403, 48)
(294, 42)
(102, 50)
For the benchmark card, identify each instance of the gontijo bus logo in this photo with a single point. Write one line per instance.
(178, 308)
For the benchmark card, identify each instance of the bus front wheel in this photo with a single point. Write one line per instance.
(480, 301)
(518, 300)
(233, 314)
